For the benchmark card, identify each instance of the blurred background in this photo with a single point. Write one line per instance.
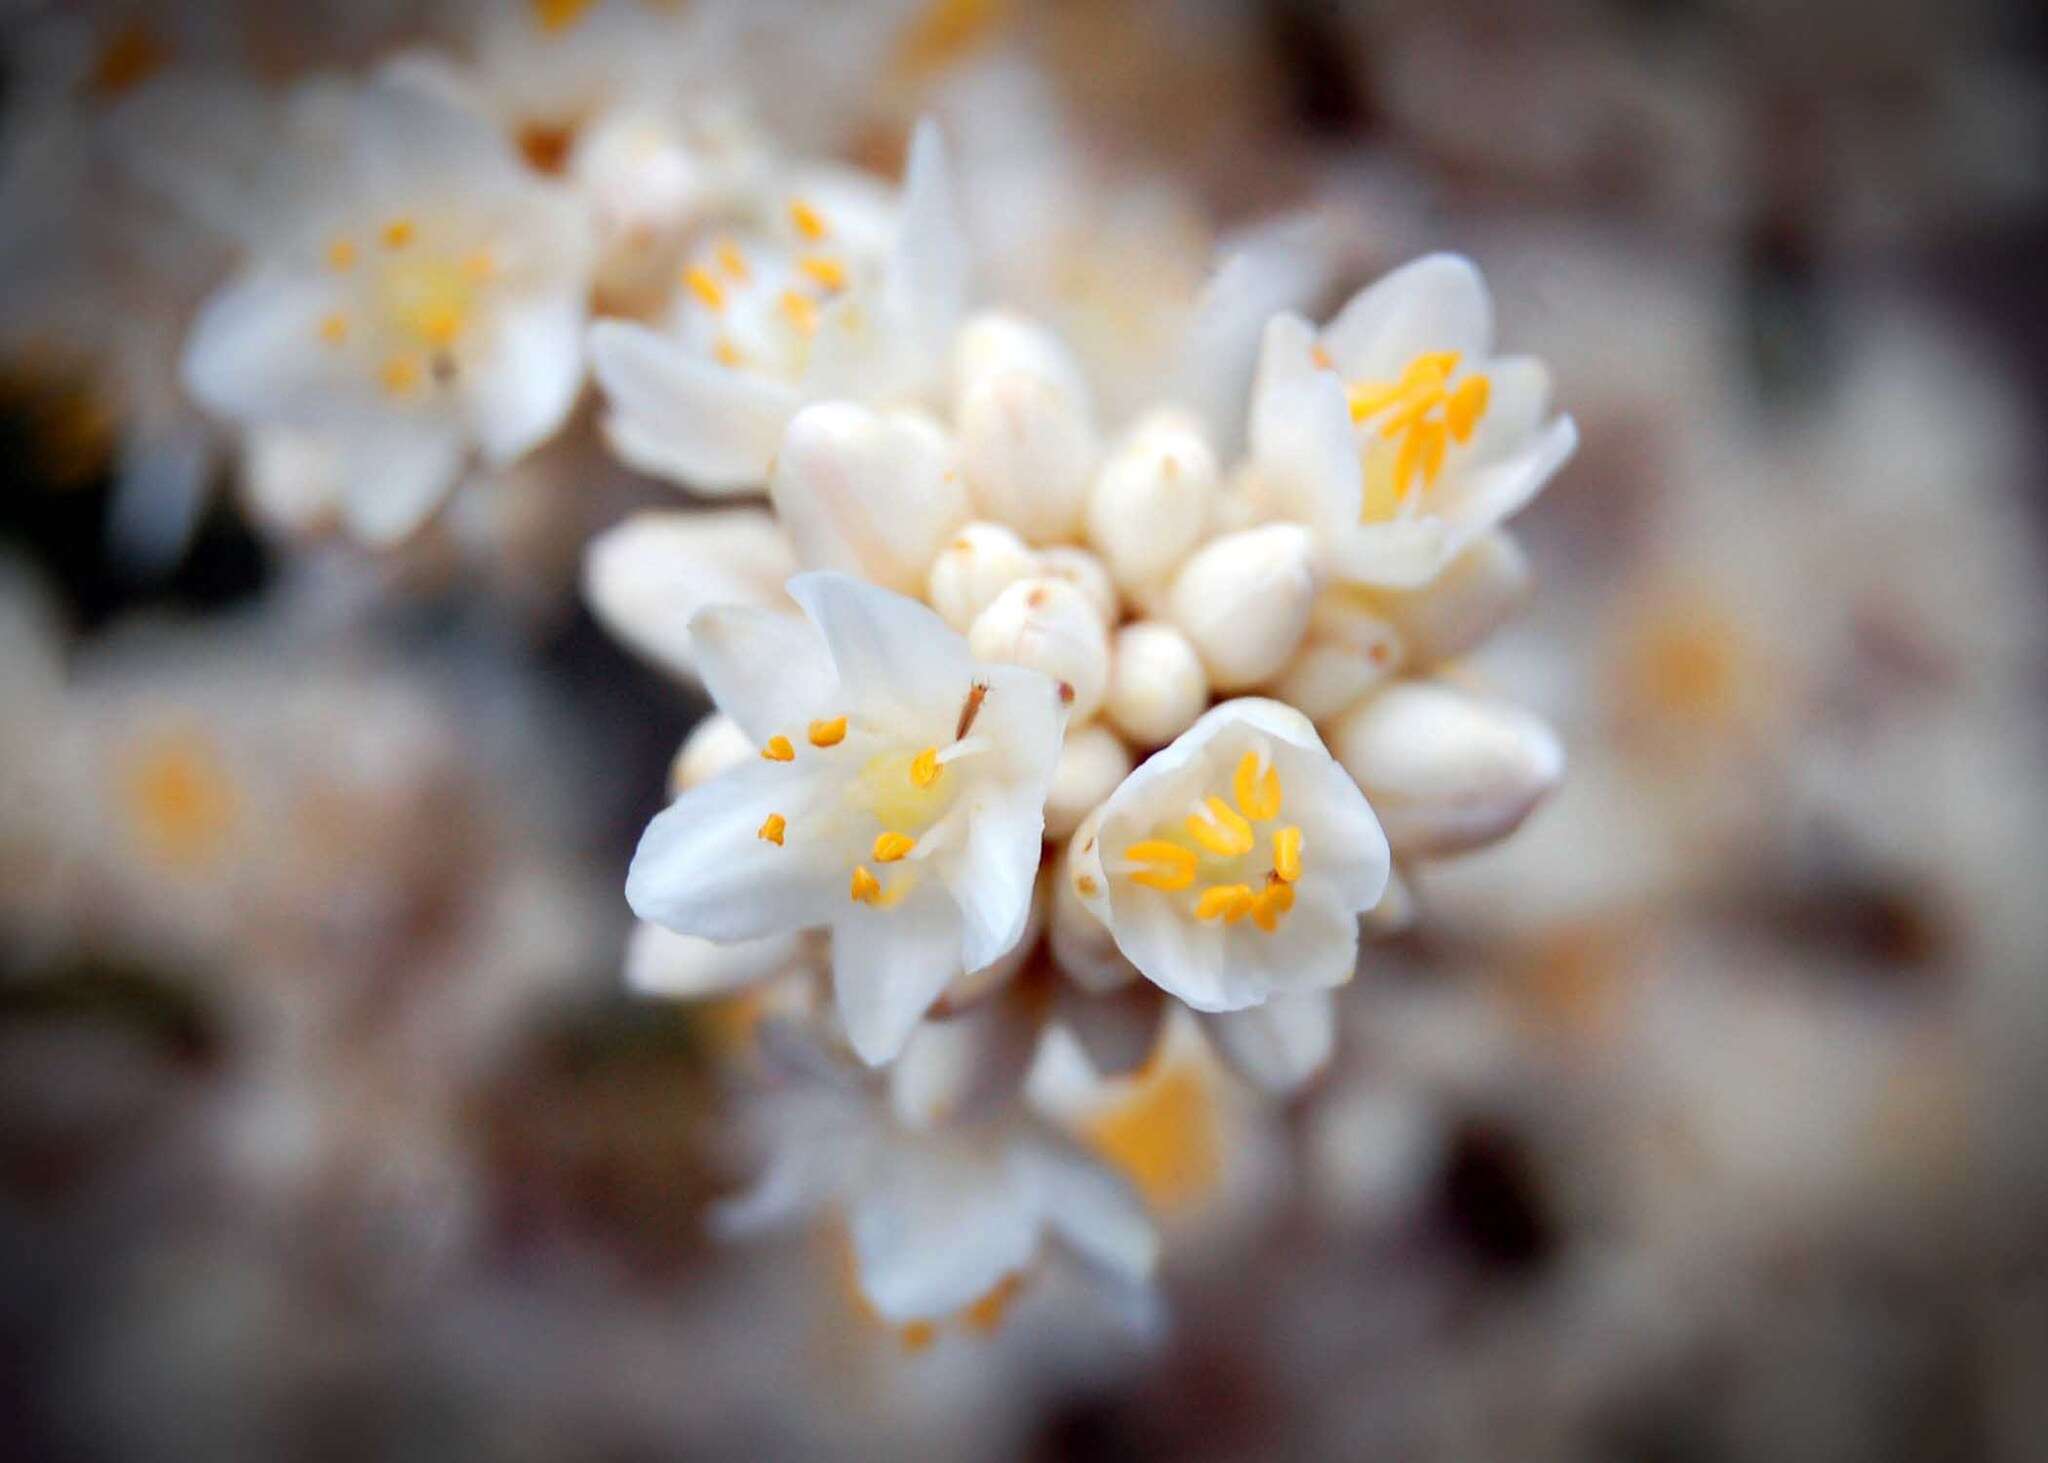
(1701, 1120)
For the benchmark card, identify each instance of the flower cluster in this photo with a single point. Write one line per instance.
(1045, 719)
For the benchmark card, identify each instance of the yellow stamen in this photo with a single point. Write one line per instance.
(709, 292)
(801, 310)
(341, 255)
(866, 888)
(556, 16)
(1257, 792)
(808, 221)
(480, 265)
(779, 749)
(400, 374)
(398, 233)
(918, 1336)
(732, 261)
(827, 271)
(1220, 829)
(890, 847)
(1227, 902)
(1168, 866)
(1466, 406)
(1287, 853)
(1270, 903)
(440, 323)
(725, 352)
(1421, 414)
(773, 829)
(1322, 358)
(925, 767)
(334, 328)
(828, 733)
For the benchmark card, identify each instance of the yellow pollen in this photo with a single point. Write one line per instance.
(1322, 358)
(732, 261)
(828, 733)
(987, 1313)
(1422, 415)
(1287, 853)
(398, 233)
(1165, 1136)
(866, 888)
(1257, 792)
(439, 324)
(556, 16)
(925, 768)
(825, 270)
(1227, 902)
(801, 310)
(890, 847)
(1270, 903)
(773, 828)
(779, 749)
(399, 375)
(725, 352)
(480, 265)
(709, 292)
(918, 1336)
(180, 801)
(1220, 829)
(341, 255)
(334, 328)
(1166, 866)
(808, 221)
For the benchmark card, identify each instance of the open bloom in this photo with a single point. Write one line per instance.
(1233, 865)
(823, 305)
(1394, 432)
(899, 799)
(426, 303)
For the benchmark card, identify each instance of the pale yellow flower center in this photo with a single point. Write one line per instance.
(1215, 855)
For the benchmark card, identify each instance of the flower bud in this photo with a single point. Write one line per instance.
(1027, 449)
(1151, 502)
(1476, 594)
(716, 744)
(644, 185)
(1447, 771)
(660, 962)
(1349, 650)
(1093, 760)
(870, 494)
(1244, 602)
(1081, 944)
(1086, 573)
(1048, 625)
(646, 577)
(977, 564)
(1157, 686)
(995, 341)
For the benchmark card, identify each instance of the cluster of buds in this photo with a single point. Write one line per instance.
(1050, 721)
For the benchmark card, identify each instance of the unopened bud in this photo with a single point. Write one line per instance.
(1028, 451)
(1151, 503)
(1157, 686)
(867, 493)
(1475, 595)
(977, 564)
(1447, 771)
(996, 341)
(1092, 761)
(1086, 573)
(1048, 625)
(1349, 651)
(1244, 602)
(716, 744)
(661, 962)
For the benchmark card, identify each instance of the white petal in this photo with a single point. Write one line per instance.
(888, 966)
(1301, 436)
(524, 384)
(1091, 1207)
(396, 473)
(661, 962)
(407, 137)
(893, 654)
(1282, 268)
(766, 670)
(1491, 495)
(926, 278)
(1518, 399)
(871, 494)
(684, 418)
(993, 878)
(1280, 1045)
(932, 1234)
(1436, 303)
(1405, 554)
(646, 577)
(254, 352)
(703, 869)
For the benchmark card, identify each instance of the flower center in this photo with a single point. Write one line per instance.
(1412, 421)
(1215, 856)
(420, 303)
(179, 800)
(1164, 1136)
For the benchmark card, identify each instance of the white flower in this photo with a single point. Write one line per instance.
(1232, 866)
(428, 302)
(899, 799)
(944, 1206)
(647, 577)
(825, 312)
(1394, 432)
